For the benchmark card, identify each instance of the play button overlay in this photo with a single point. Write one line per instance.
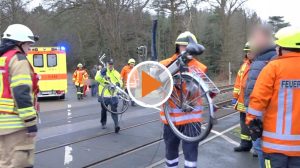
(150, 84)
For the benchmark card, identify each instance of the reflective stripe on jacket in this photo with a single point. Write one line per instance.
(18, 86)
(79, 77)
(276, 98)
(240, 85)
(180, 117)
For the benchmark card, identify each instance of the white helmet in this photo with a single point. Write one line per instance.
(19, 32)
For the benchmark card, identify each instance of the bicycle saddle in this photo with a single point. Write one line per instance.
(193, 48)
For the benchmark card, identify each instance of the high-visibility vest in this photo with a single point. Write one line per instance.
(178, 116)
(9, 117)
(79, 77)
(134, 77)
(240, 84)
(276, 99)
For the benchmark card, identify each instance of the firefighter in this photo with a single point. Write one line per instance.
(105, 76)
(133, 81)
(274, 109)
(190, 149)
(238, 100)
(263, 47)
(79, 78)
(19, 88)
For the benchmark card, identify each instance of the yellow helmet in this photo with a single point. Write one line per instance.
(131, 61)
(182, 39)
(247, 46)
(288, 37)
(79, 65)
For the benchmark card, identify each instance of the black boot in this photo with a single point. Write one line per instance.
(241, 149)
(117, 129)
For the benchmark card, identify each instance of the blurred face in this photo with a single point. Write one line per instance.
(259, 39)
(182, 48)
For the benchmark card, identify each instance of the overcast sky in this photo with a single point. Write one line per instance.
(264, 8)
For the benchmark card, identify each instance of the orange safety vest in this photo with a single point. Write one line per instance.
(79, 77)
(124, 75)
(276, 98)
(180, 117)
(240, 84)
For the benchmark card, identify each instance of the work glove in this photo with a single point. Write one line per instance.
(256, 129)
(103, 72)
(233, 102)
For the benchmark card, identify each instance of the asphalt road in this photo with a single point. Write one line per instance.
(70, 135)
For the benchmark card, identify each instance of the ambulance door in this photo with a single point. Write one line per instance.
(38, 63)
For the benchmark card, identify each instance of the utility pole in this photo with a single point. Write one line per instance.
(229, 73)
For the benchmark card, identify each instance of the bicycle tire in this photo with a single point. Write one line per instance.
(122, 104)
(208, 125)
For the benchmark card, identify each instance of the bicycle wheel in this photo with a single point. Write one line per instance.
(117, 102)
(189, 110)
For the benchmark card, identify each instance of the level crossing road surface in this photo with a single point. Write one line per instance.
(70, 135)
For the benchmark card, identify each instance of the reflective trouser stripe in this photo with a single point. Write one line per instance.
(245, 137)
(190, 164)
(267, 163)
(172, 163)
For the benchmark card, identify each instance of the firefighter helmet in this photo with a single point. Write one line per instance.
(247, 46)
(131, 61)
(20, 33)
(288, 37)
(79, 65)
(183, 39)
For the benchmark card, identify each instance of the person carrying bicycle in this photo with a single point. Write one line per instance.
(181, 118)
(105, 76)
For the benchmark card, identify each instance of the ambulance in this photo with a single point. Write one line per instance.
(50, 63)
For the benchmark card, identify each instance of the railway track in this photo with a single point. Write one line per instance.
(102, 134)
(223, 89)
(138, 148)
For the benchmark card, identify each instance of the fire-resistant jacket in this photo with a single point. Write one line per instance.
(178, 116)
(134, 78)
(18, 88)
(276, 99)
(79, 77)
(240, 84)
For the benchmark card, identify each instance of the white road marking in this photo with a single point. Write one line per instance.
(226, 138)
(200, 144)
(68, 155)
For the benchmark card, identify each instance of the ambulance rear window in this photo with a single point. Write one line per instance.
(52, 60)
(38, 60)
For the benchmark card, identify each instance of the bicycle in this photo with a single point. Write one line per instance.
(117, 94)
(192, 95)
